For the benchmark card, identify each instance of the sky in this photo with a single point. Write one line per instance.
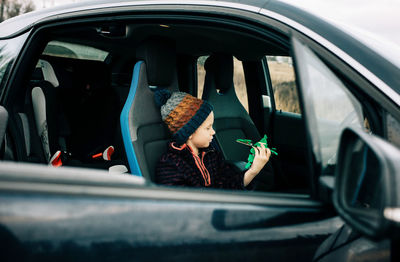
(374, 22)
(40, 4)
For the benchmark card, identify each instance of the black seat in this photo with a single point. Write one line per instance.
(92, 109)
(30, 116)
(231, 120)
(77, 112)
(23, 141)
(144, 134)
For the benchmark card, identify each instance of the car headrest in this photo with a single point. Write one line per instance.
(159, 56)
(48, 72)
(221, 67)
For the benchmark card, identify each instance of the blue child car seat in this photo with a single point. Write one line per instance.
(144, 134)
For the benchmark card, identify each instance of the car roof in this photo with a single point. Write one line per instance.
(25, 21)
(354, 17)
(311, 17)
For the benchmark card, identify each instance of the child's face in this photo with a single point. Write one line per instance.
(203, 135)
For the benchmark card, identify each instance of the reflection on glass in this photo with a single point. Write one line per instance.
(365, 181)
(333, 106)
(9, 49)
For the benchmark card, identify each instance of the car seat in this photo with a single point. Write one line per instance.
(144, 133)
(91, 108)
(231, 120)
(28, 120)
(43, 93)
(78, 114)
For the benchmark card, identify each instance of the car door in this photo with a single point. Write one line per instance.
(370, 188)
(284, 120)
(69, 214)
(274, 107)
(80, 214)
(329, 106)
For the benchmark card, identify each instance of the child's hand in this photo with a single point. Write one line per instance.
(261, 157)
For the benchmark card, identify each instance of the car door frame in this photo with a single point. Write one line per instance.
(290, 141)
(227, 212)
(44, 206)
(322, 186)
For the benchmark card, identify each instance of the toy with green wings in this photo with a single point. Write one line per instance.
(248, 142)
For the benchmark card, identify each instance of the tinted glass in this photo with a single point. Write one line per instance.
(330, 105)
(69, 50)
(9, 50)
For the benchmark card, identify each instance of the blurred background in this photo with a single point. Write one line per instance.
(11, 8)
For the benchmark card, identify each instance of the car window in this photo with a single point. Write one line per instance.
(201, 75)
(9, 50)
(87, 101)
(283, 83)
(393, 130)
(329, 105)
(238, 80)
(69, 50)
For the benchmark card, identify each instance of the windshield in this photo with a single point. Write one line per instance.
(9, 49)
(69, 50)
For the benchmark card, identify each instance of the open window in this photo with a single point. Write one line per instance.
(78, 61)
(75, 62)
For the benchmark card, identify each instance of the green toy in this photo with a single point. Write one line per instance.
(248, 142)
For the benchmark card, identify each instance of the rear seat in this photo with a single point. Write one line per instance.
(90, 107)
(22, 125)
(74, 109)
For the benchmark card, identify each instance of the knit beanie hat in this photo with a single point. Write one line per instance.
(182, 113)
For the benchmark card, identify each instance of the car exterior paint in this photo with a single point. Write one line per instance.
(81, 214)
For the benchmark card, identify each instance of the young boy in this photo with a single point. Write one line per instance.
(190, 160)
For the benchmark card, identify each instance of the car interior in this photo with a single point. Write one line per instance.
(85, 98)
(91, 86)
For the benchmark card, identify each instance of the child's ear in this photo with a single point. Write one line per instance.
(190, 137)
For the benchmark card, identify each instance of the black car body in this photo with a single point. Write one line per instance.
(80, 212)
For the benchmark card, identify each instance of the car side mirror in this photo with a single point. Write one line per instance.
(366, 193)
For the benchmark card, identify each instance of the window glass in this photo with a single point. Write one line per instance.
(238, 80)
(64, 49)
(283, 83)
(9, 49)
(393, 130)
(240, 84)
(201, 74)
(329, 104)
